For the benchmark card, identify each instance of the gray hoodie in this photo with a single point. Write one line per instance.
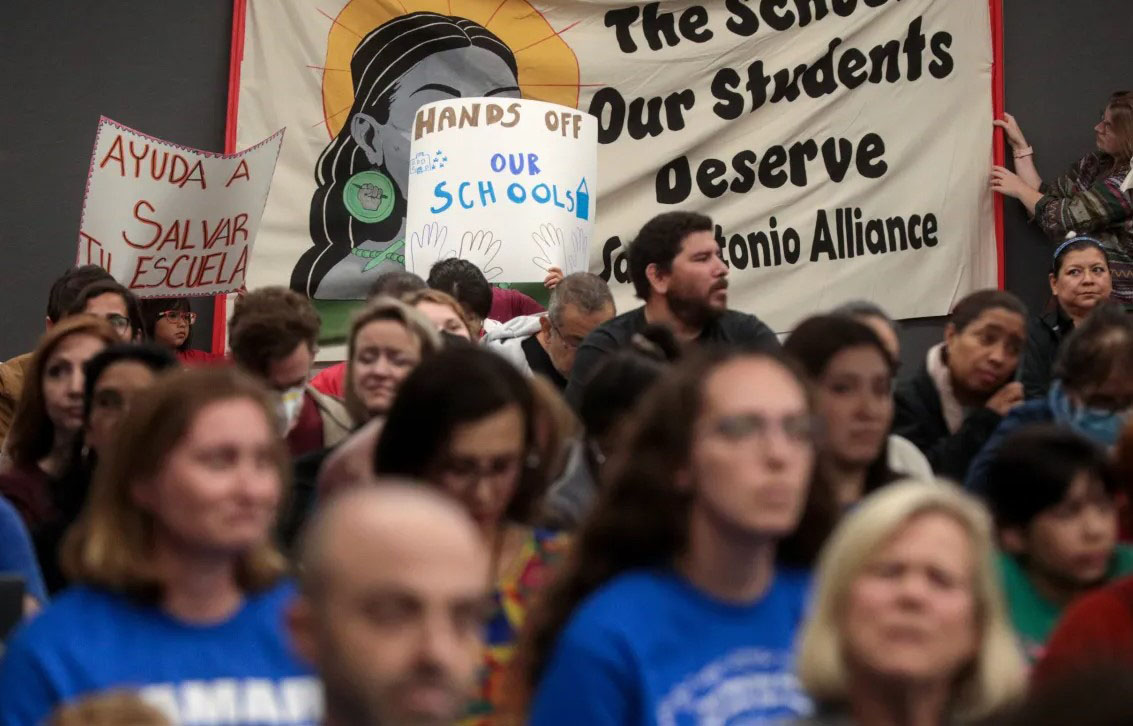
(507, 339)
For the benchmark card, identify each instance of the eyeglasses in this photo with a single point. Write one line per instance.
(464, 473)
(570, 341)
(799, 429)
(174, 315)
(120, 323)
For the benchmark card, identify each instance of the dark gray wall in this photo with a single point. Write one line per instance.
(1061, 62)
(162, 67)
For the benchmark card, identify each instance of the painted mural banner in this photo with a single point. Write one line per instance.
(841, 147)
(169, 221)
(505, 185)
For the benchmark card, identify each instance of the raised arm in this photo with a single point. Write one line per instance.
(1021, 151)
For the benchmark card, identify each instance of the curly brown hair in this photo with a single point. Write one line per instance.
(641, 517)
(268, 324)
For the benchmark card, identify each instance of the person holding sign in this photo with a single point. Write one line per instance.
(1094, 197)
(676, 269)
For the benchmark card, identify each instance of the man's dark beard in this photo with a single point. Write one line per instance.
(694, 312)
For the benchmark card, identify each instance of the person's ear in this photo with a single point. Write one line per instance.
(545, 324)
(48, 324)
(1052, 279)
(1013, 540)
(367, 133)
(658, 278)
(300, 618)
(950, 334)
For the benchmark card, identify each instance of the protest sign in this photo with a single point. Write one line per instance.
(504, 184)
(169, 221)
(841, 147)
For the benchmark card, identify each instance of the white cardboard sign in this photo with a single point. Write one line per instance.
(507, 184)
(169, 221)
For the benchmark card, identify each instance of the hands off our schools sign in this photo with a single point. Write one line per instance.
(505, 185)
(835, 143)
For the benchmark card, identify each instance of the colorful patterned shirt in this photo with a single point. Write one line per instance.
(1088, 200)
(514, 595)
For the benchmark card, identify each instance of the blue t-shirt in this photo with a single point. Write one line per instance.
(16, 553)
(241, 671)
(649, 649)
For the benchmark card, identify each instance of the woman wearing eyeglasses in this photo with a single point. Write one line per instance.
(684, 592)
(464, 420)
(168, 322)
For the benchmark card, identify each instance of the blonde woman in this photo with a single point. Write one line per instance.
(442, 310)
(179, 591)
(387, 340)
(908, 626)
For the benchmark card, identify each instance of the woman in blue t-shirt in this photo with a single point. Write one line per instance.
(681, 600)
(180, 593)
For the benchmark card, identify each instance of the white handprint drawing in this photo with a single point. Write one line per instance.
(578, 252)
(427, 248)
(551, 243)
(480, 248)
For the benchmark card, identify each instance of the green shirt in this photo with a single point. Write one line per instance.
(1032, 615)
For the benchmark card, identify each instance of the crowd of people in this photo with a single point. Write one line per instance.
(494, 514)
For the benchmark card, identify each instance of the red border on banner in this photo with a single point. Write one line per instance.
(239, 12)
(995, 7)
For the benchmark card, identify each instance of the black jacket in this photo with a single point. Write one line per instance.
(920, 419)
(731, 328)
(1044, 337)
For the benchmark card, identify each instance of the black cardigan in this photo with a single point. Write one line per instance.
(1044, 337)
(920, 419)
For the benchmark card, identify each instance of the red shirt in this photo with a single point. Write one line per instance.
(331, 380)
(508, 304)
(307, 434)
(194, 357)
(1096, 629)
(29, 491)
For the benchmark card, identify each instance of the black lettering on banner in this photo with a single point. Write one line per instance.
(614, 261)
(644, 116)
(844, 235)
(714, 177)
(943, 64)
(744, 21)
(840, 65)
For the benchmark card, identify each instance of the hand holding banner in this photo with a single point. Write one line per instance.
(169, 221)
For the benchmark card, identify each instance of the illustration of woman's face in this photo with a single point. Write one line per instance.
(458, 73)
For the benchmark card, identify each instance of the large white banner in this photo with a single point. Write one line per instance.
(842, 147)
(169, 221)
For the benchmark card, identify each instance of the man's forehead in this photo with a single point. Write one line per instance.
(701, 241)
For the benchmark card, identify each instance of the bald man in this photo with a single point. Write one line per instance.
(392, 608)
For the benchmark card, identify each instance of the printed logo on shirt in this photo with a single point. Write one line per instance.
(294, 701)
(746, 686)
